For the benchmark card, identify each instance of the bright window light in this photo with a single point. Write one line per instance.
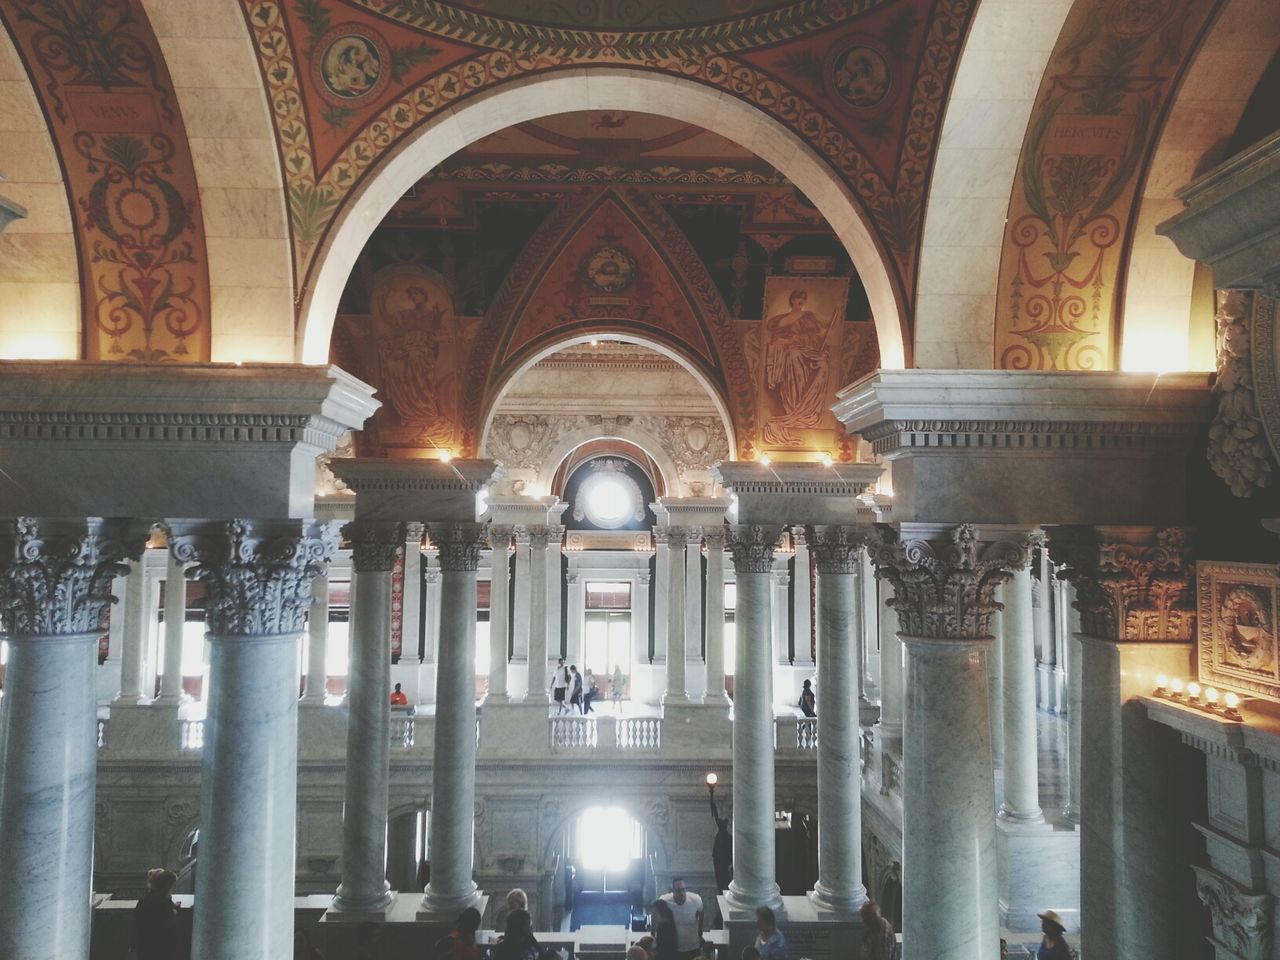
(608, 838)
(609, 500)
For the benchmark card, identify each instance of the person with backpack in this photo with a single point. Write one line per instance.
(460, 942)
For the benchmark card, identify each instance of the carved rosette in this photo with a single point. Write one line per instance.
(258, 572)
(1140, 588)
(1241, 920)
(835, 548)
(1238, 449)
(945, 590)
(55, 575)
(459, 544)
(374, 544)
(752, 546)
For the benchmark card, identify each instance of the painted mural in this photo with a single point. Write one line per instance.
(1097, 116)
(109, 103)
(861, 81)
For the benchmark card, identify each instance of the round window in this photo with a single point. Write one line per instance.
(609, 499)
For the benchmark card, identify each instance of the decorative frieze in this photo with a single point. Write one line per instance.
(459, 544)
(752, 546)
(1238, 449)
(1132, 584)
(258, 572)
(1242, 921)
(835, 548)
(55, 575)
(374, 544)
(945, 588)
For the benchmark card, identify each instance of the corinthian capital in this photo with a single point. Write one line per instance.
(1132, 583)
(55, 575)
(752, 546)
(459, 544)
(944, 587)
(715, 537)
(374, 544)
(835, 548)
(258, 572)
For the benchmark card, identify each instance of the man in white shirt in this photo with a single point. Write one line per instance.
(559, 684)
(687, 908)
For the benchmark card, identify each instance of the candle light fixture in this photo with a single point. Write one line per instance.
(1220, 703)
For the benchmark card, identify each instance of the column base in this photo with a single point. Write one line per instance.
(829, 901)
(1020, 816)
(740, 902)
(348, 910)
(435, 908)
(495, 698)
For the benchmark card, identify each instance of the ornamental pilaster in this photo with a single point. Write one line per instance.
(55, 575)
(500, 535)
(835, 547)
(540, 536)
(374, 544)
(714, 538)
(258, 572)
(459, 545)
(1132, 583)
(752, 546)
(944, 580)
(1242, 921)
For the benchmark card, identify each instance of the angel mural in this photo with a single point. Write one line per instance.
(420, 349)
(796, 371)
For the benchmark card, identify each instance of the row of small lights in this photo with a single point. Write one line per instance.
(1191, 694)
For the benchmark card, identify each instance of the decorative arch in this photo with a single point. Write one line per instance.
(640, 438)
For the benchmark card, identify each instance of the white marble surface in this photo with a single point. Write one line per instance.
(677, 619)
(47, 804)
(175, 615)
(248, 803)
(364, 885)
(499, 620)
(133, 609)
(715, 618)
(317, 641)
(453, 773)
(695, 678)
(892, 691)
(839, 885)
(1021, 800)
(949, 900)
(539, 675)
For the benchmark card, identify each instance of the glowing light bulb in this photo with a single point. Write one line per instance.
(445, 456)
(1161, 682)
(712, 779)
(1231, 700)
(1193, 690)
(764, 459)
(1211, 695)
(1175, 685)
(826, 460)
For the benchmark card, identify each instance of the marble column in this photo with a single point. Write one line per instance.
(801, 621)
(1045, 652)
(133, 652)
(453, 774)
(539, 679)
(753, 883)
(839, 887)
(780, 617)
(891, 667)
(573, 615)
(175, 616)
(715, 539)
(523, 587)
(317, 641)
(693, 608)
(1021, 802)
(868, 635)
(57, 580)
(677, 538)
(554, 575)
(431, 637)
(995, 684)
(258, 574)
(661, 592)
(1075, 702)
(639, 627)
(499, 612)
(364, 887)
(944, 584)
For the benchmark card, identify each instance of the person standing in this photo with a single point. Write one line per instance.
(808, 702)
(589, 693)
(155, 918)
(878, 939)
(460, 942)
(575, 687)
(399, 698)
(686, 911)
(1054, 944)
(769, 939)
(665, 932)
(617, 684)
(559, 684)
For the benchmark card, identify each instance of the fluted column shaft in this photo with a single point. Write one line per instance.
(364, 814)
(57, 579)
(1075, 702)
(555, 577)
(677, 539)
(839, 885)
(133, 653)
(175, 616)
(661, 592)
(693, 607)
(714, 537)
(891, 666)
(538, 679)
(523, 594)
(1021, 768)
(453, 761)
(499, 612)
(753, 776)
(258, 573)
(802, 623)
(317, 641)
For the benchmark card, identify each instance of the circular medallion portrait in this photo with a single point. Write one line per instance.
(860, 76)
(351, 63)
(609, 269)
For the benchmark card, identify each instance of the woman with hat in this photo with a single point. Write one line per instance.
(1054, 945)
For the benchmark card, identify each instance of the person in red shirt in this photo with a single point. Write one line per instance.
(460, 943)
(398, 697)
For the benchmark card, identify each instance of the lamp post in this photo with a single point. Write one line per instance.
(722, 845)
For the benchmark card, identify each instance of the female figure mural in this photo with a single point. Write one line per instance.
(795, 371)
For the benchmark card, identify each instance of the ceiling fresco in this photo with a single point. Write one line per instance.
(862, 81)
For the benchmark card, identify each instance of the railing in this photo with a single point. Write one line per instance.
(192, 734)
(402, 732)
(807, 733)
(573, 733)
(102, 734)
(639, 733)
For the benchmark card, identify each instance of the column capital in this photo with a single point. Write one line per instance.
(715, 537)
(1241, 919)
(374, 544)
(520, 533)
(1132, 583)
(835, 547)
(544, 534)
(258, 572)
(944, 586)
(55, 574)
(500, 536)
(799, 537)
(752, 546)
(459, 544)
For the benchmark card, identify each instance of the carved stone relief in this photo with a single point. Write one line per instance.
(1238, 448)
(1241, 920)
